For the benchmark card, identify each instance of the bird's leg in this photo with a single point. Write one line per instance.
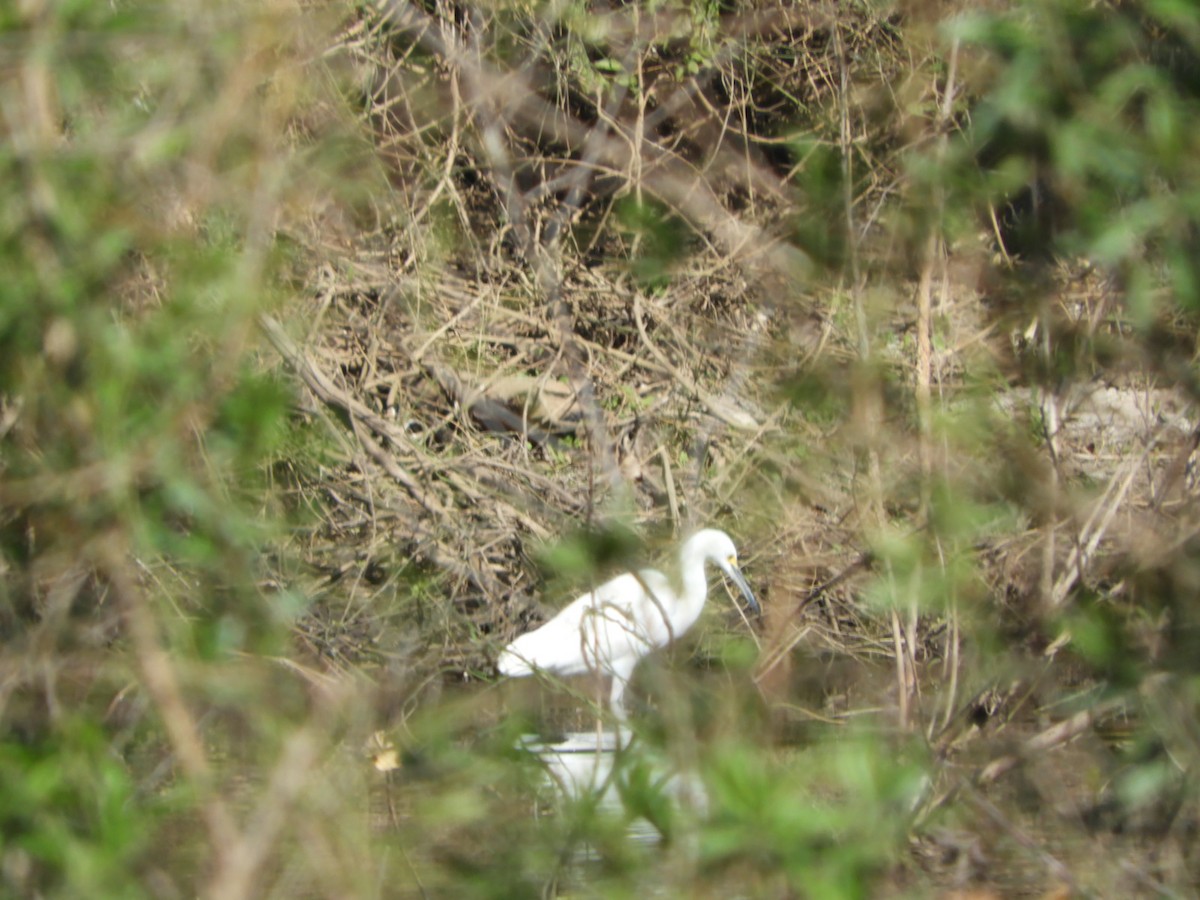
(616, 700)
(622, 671)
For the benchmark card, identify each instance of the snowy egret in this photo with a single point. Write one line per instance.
(609, 629)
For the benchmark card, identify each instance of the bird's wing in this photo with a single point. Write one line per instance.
(555, 646)
(653, 607)
(617, 620)
(626, 620)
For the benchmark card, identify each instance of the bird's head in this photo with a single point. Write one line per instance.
(718, 546)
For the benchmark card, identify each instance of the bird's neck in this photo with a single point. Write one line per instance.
(695, 590)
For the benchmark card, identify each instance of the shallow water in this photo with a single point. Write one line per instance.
(588, 767)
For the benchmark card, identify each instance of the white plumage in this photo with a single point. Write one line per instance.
(608, 630)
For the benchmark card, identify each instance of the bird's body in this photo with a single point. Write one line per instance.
(608, 630)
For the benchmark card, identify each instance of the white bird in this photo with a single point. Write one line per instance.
(608, 630)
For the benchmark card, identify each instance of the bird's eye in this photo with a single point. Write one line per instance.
(733, 560)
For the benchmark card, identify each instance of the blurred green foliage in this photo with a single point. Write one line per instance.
(142, 159)
(67, 825)
(658, 240)
(1084, 127)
